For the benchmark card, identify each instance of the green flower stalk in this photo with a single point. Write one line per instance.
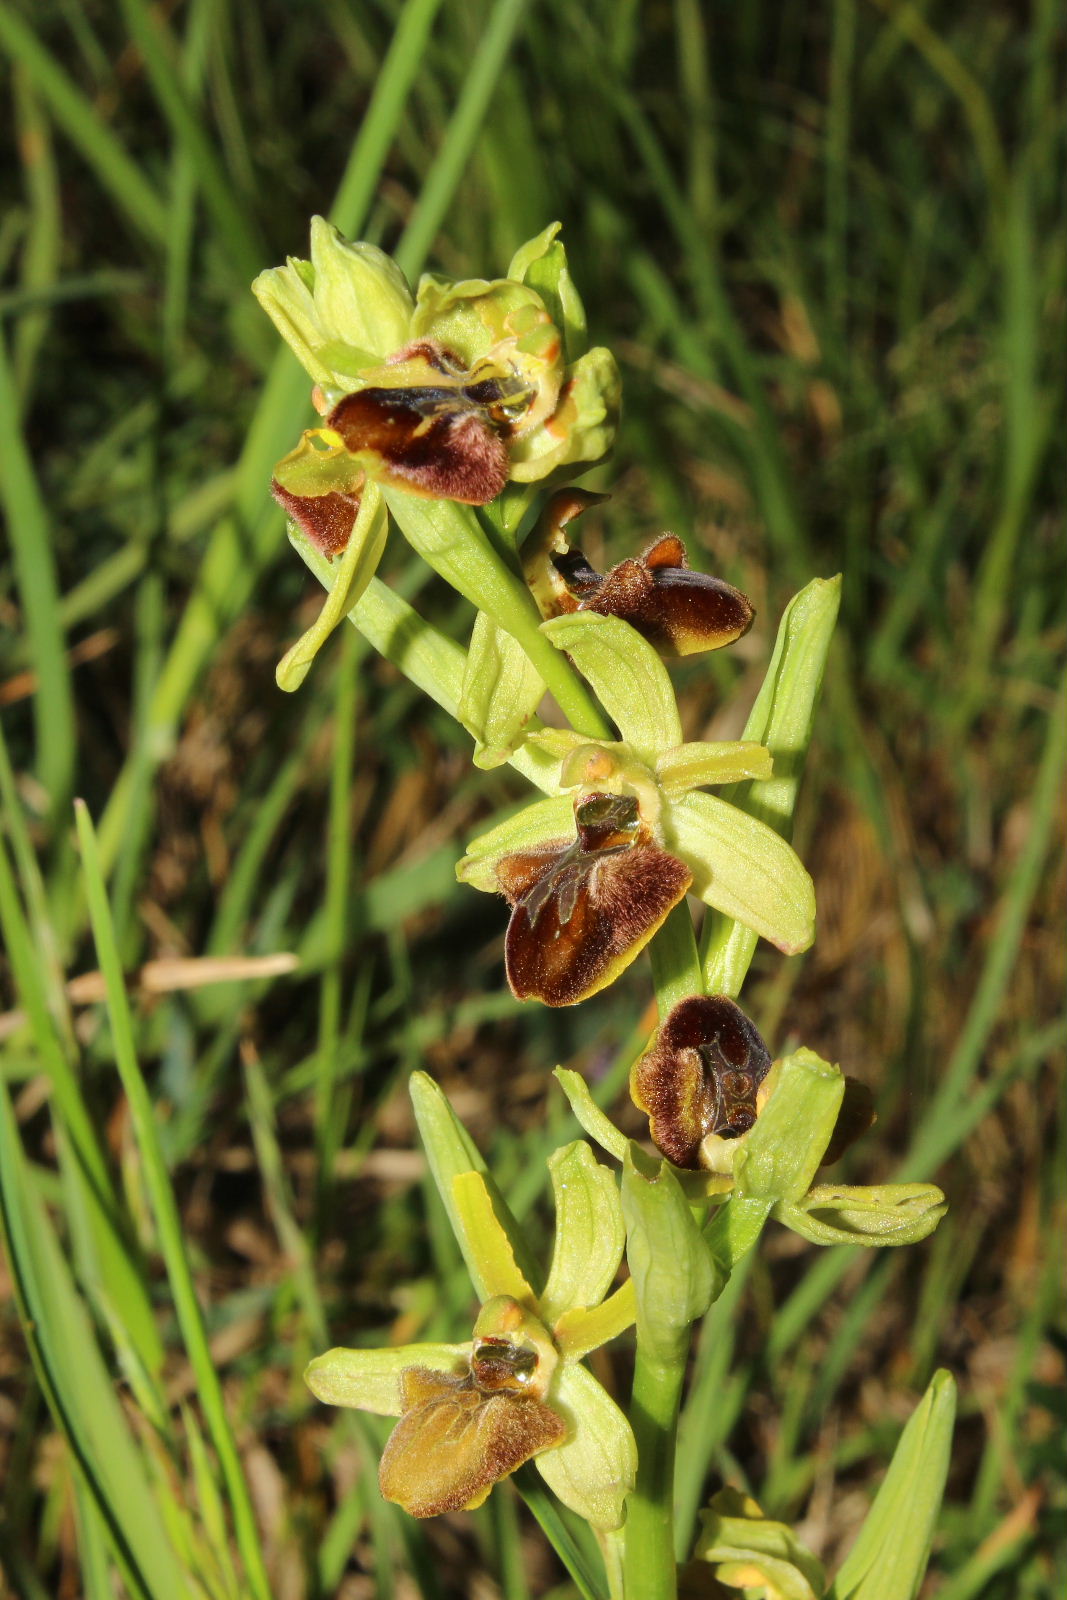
(456, 411)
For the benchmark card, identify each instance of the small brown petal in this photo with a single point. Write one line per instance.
(583, 910)
(326, 519)
(676, 609)
(456, 1439)
(700, 1076)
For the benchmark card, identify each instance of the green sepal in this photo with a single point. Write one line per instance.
(888, 1560)
(781, 719)
(483, 1238)
(690, 766)
(883, 1214)
(357, 567)
(361, 295)
(750, 1551)
(784, 1148)
(743, 868)
(628, 676)
(580, 431)
(340, 312)
(542, 263)
(501, 692)
(590, 1233)
(528, 829)
(588, 1114)
(780, 1154)
(594, 1470)
(370, 1379)
(675, 1277)
(451, 1153)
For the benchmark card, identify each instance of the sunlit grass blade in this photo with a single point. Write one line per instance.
(168, 1219)
(465, 124)
(113, 1266)
(38, 587)
(114, 169)
(76, 1383)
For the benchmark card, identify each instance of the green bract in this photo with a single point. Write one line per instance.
(889, 1558)
(592, 1470)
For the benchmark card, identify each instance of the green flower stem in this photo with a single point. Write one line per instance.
(649, 1564)
(676, 969)
(450, 539)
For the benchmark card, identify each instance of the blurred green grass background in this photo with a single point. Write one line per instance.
(827, 243)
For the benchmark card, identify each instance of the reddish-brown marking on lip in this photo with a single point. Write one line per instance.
(326, 519)
(700, 1076)
(582, 910)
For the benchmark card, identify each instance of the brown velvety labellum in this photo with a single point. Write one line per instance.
(326, 519)
(456, 1439)
(700, 1076)
(676, 609)
(430, 441)
(582, 911)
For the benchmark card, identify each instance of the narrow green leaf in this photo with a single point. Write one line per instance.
(38, 591)
(888, 1560)
(75, 1380)
(168, 1219)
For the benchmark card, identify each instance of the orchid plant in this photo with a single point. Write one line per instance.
(457, 414)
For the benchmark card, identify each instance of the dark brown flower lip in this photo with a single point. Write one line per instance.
(677, 610)
(446, 440)
(583, 908)
(700, 1076)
